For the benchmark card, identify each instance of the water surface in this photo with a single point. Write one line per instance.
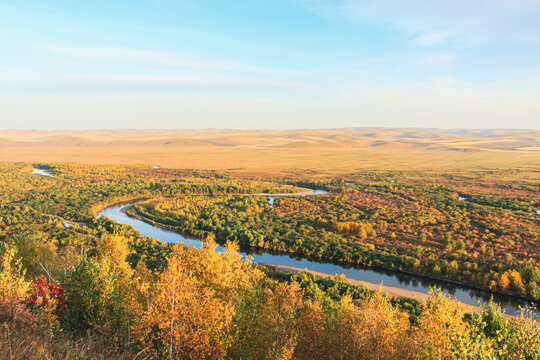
(43, 172)
(271, 199)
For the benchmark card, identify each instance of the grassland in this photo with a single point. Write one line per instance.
(284, 152)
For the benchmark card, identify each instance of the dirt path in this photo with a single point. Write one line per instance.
(301, 193)
(65, 221)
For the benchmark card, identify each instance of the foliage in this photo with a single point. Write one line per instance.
(421, 229)
(94, 298)
(97, 289)
(48, 301)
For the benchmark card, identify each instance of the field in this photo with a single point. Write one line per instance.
(285, 152)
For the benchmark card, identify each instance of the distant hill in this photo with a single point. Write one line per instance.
(457, 138)
(283, 150)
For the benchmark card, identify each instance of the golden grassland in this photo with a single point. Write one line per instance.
(284, 152)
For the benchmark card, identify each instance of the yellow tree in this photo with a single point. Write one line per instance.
(310, 324)
(371, 329)
(114, 249)
(522, 337)
(440, 328)
(13, 287)
(185, 319)
(382, 329)
(268, 323)
(342, 330)
(226, 273)
(12, 282)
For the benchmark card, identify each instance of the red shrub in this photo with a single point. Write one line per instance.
(42, 293)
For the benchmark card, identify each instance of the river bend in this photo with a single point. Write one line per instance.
(465, 294)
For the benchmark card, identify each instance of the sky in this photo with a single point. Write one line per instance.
(258, 64)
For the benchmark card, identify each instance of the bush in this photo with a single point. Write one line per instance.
(93, 299)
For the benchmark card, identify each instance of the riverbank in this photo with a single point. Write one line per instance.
(389, 290)
(138, 200)
(400, 283)
(440, 280)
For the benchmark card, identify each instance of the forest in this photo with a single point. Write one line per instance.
(76, 287)
(418, 228)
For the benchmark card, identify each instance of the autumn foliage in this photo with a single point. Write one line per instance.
(98, 290)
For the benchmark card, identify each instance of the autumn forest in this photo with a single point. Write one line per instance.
(74, 285)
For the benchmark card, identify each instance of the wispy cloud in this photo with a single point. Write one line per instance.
(437, 59)
(141, 57)
(16, 80)
(433, 38)
(189, 81)
(478, 20)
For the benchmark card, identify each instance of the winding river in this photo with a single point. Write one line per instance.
(463, 293)
(398, 279)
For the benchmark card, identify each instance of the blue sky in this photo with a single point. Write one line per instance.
(269, 64)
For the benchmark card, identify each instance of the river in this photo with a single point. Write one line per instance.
(398, 279)
(43, 172)
(462, 293)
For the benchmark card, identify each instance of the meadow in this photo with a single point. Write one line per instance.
(283, 152)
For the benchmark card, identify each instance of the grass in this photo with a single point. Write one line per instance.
(20, 343)
(325, 152)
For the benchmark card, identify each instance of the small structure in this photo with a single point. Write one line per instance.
(156, 166)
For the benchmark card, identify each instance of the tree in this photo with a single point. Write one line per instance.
(520, 340)
(383, 329)
(94, 299)
(268, 323)
(311, 336)
(13, 287)
(47, 300)
(440, 326)
(504, 281)
(12, 283)
(185, 317)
